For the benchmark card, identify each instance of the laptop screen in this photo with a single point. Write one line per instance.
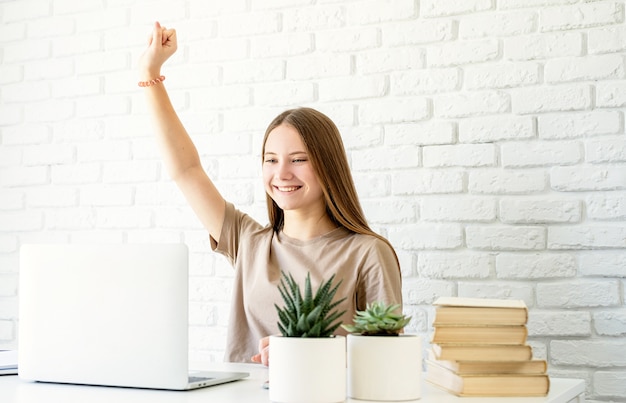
(104, 314)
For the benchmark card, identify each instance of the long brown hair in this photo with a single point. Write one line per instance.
(328, 158)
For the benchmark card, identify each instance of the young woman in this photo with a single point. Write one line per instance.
(316, 221)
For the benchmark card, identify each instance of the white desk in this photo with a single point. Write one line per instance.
(14, 390)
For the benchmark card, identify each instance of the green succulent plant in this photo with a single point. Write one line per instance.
(308, 315)
(378, 319)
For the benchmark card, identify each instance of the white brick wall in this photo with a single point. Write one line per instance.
(486, 138)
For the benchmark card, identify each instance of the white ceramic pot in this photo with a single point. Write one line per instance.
(384, 368)
(309, 370)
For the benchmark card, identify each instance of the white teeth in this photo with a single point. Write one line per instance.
(287, 189)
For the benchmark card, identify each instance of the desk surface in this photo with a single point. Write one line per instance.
(14, 390)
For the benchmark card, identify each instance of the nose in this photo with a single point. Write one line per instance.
(283, 171)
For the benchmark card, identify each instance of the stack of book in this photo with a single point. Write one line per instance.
(478, 348)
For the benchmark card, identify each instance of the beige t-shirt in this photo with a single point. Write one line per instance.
(366, 265)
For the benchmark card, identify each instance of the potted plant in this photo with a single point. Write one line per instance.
(383, 364)
(308, 363)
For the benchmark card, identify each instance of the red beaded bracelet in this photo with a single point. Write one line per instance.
(151, 82)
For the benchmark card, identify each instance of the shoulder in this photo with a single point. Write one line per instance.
(242, 220)
(240, 230)
(368, 240)
(372, 246)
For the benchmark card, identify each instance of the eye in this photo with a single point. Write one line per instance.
(270, 160)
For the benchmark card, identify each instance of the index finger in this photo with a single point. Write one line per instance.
(168, 35)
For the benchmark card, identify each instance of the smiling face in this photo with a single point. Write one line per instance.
(288, 174)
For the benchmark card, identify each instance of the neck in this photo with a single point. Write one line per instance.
(305, 228)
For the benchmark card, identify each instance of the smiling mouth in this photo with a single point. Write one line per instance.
(287, 188)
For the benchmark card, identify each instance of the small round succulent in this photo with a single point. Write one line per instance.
(378, 319)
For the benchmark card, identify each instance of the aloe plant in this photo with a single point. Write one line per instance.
(378, 319)
(308, 315)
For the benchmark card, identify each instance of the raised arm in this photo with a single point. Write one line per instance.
(178, 151)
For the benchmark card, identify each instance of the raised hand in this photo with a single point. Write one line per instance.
(162, 44)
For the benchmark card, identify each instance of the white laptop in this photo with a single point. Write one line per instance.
(114, 315)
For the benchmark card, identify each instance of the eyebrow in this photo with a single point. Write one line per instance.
(291, 154)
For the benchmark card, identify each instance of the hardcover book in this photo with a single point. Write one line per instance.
(482, 352)
(485, 367)
(480, 334)
(490, 384)
(479, 311)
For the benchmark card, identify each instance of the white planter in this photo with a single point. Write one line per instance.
(384, 368)
(309, 370)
